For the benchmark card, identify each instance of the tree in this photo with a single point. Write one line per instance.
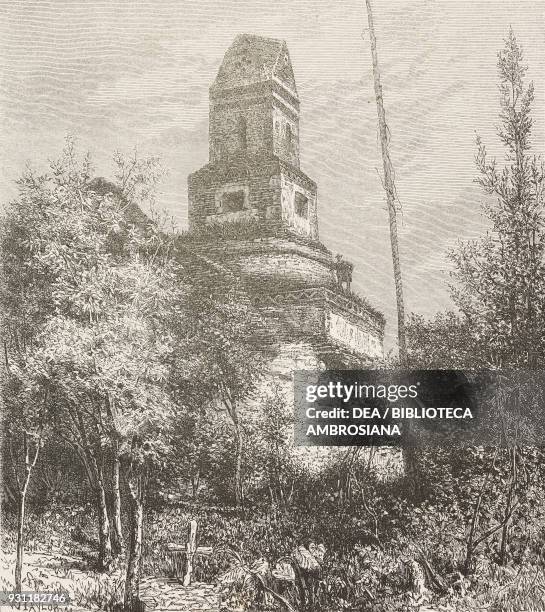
(444, 342)
(273, 451)
(201, 450)
(26, 396)
(91, 284)
(221, 359)
(500, 279)
(37, 230)
(26, 405)
(499, 289)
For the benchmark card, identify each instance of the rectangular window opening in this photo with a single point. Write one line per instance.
(301, 205)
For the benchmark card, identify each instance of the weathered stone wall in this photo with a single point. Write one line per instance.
(304, 225)
(273, 263)
(270, 186)
(290, 357)
(257, 119)
(207, 185)
(292, 321)
(294, 287)
(241, 122)
(286, 133)
(350, 332)
(283, 269)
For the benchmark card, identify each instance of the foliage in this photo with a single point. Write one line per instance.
(356, 570)
(99, 290)
(273, 469)
(97, 285)
(135, 350)
(500, 286)
(220, 358)
(498, 280)
(445, 341)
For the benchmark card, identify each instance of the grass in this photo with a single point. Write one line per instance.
(52, 572)
(354, 566)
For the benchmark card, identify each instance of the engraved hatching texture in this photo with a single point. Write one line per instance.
(121, 73)
(252, 59)
(249, 96)
(160, 594)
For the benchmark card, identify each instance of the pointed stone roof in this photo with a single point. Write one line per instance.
(252, 59)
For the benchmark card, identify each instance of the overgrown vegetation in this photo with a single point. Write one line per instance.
(136, 400)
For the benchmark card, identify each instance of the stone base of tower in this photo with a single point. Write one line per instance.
(269, 257)
(289, 357)
(294, 285)
(342, 333)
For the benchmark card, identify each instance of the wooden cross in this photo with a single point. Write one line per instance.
(190, 550)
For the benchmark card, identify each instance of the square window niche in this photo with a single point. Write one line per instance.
(232, 199)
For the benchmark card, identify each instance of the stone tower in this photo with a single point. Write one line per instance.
(256, 212)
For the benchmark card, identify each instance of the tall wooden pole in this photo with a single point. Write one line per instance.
(389, 186)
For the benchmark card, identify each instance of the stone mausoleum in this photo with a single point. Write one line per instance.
(257, 213)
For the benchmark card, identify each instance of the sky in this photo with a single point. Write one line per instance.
(119, 74)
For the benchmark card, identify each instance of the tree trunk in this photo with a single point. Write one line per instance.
(20, 540)
(21, 509)
(93, 466)
(271, 496)
(96, 482)
(12, 495)
(239, 493)
(136, 522)
(105, 546)
(508, 507)
(195, 483)
(118, 544)
(411, 463)
(470, 547)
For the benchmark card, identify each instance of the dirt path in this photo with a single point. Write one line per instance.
(162, 594)
(91, 591)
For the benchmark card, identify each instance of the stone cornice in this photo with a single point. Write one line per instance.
(325, 297)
